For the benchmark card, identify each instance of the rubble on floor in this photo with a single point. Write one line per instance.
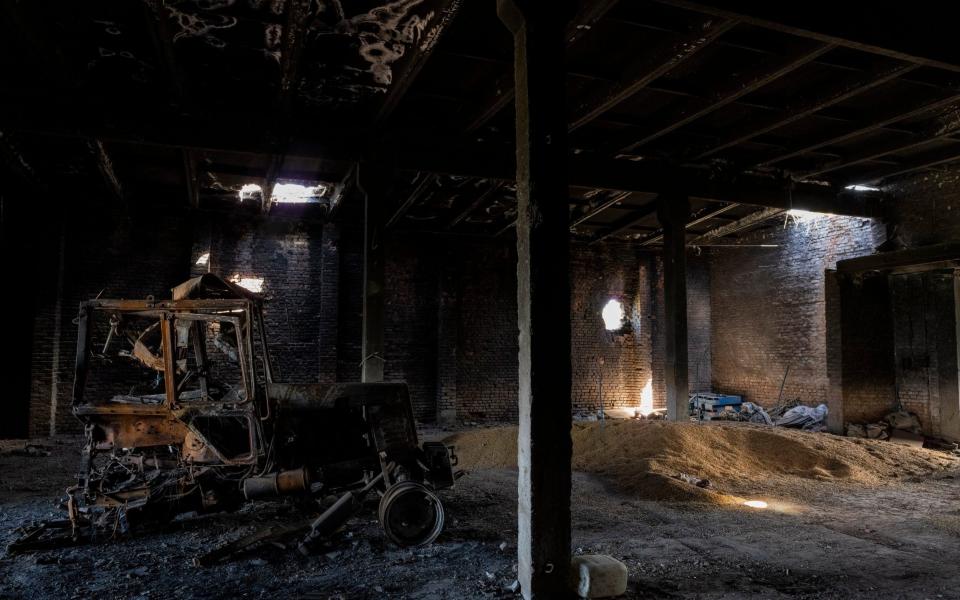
(901, 427)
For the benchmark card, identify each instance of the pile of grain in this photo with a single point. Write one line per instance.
(643, 458)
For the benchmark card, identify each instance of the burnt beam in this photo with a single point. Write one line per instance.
(423, 186)
(191, 179)
(612, 201)
(105, 167)
(885, 35)
(503, 94)
(863, 82)
(876, 153)
(892, 117)
(751, 220)
(697, 220)
(738, 87)
(650, 67)
(417, 57)
(543, 296)
(492, 189)
(930, 160)
(632, 220)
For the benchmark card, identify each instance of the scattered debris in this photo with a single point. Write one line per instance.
(700, 483)
(804, 417)
(598, 576)
(29, 450)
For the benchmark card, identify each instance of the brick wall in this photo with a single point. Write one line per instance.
(926, 208)
(767, 307)
(290, 256)
(106, 255)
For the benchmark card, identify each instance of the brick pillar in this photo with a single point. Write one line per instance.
(448, 319)
(329, 303)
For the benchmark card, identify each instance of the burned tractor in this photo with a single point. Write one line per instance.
(182, 414)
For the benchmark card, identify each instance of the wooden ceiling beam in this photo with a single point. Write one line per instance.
(476, 204)
(894, 117)
(705, 216)
(875, 153)
(628, 223)
(929, 161)
(751, 220)
(649, 67)
(416, 58)
(427, 180)
(815, 14)
(858, 85)
(737, 87)
(615, 199)
(502, 93)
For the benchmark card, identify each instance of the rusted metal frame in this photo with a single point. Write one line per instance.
(477, 202)
(658, 236)
(863, 83)
(83, 354)
(805, 33)
(873, 154)
(751, 220)
(633, 219)
(200, 357)
(738, 88)
(590, 12)
(617, 198)
(427, 180)
(168, 305)
(889, 120)
(649, 68)
(168, 347)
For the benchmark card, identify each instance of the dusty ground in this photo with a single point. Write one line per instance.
(844, 540)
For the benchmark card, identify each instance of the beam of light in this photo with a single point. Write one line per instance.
(646, 399)
(862, 188)
(294, 193)
(755, 504)
(249, 190)
(253, 284)
(612, 315)
(204, 259)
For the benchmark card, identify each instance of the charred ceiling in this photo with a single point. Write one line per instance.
(191, 99)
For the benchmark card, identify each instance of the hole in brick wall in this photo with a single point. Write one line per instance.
(294, 193)
(251, 191)
(204, 259)
(613, 316)
(254, 284)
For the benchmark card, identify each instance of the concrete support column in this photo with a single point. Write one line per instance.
(673, 212)
(543, 296)
(373, 183)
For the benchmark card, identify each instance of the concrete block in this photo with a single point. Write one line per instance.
(598, 576)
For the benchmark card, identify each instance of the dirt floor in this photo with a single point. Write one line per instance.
(867, 520)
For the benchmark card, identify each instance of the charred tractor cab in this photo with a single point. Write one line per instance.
(182, 414)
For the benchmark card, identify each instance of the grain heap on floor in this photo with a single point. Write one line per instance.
(644, 459)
